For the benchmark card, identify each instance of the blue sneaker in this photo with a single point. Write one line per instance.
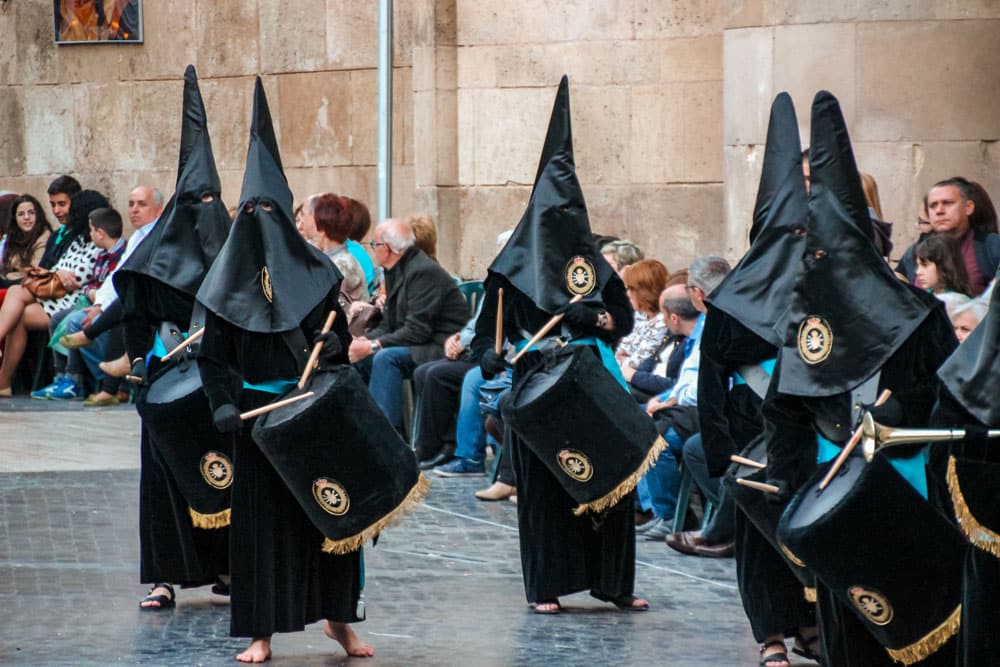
(66, 391)
(45, 393)
(460, 467)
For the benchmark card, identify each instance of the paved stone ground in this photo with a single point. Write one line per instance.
(444, 588)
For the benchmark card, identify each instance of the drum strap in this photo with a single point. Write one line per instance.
(607, 354)
(755, 376)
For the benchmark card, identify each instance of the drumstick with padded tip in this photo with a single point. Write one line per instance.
(187, 341)
(747, 462)
(316, 349)
(498, 343)
(760, 486)
(556, 319)
(274, 406)
(849, 447)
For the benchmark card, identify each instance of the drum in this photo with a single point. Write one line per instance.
(884, 552)
(342, 460)
(176, 414)
(587, 430)
(764, 514)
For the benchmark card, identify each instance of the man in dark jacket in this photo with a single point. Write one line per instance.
(423, 307)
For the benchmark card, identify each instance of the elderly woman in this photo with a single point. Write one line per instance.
(24, 245)
(325, 222)
(644, 280)
(22, 311)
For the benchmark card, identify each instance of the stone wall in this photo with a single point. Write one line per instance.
(669, 102)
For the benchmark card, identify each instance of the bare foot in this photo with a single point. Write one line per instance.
(258, 651)
(346, 637)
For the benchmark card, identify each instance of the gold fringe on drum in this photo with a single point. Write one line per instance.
(930, 642)
(809, 593)
(210, 521)
(978, 534)
(611, 498)
(408, 506)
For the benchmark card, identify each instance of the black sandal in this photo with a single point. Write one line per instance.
(162, 601)
(548, 612)
(220, 587)
(777, 657)
(623, 602)
(803, 646)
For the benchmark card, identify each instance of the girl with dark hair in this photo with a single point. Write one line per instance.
(27, 233)
(940, 267)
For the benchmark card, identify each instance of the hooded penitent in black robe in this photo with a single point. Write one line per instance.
(550, 257)
(740, 331)
(157, 285)
(970, 475)
(849, 319)
(267, 295)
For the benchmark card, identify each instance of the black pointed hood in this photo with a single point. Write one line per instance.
(194, 224)
(266, 278)
(551, 256)
(972, 372)
(758, 291)
(849, 313)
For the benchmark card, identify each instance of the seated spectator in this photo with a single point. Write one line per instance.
(325, 221)
(940, 268)
(620, 254)
(675, 411)
(966, 318)
(361, 222)
(61, 192)
(423, 308)
(24, 244)
(952, 301)
(425, 234)
(106, 234)
(952, 207)
(644, 281)
(75, 257)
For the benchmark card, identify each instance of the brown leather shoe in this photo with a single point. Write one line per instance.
(686, 542)
(724, 550)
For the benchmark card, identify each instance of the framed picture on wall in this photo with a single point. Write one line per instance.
(97, 21)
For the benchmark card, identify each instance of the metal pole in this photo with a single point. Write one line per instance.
(383, 165)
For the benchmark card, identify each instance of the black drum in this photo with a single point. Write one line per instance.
(764, 514)
(176, 414)
(342, 459)
(883, 551)
(588, 431)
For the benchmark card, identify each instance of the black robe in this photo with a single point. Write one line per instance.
(773, 598)
(170, 548)
(791, 425)
(281, 579)
(561, 553)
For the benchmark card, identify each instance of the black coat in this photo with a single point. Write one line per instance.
(423, 307)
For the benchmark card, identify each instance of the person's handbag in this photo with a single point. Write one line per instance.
(363, 318)
(43, 284)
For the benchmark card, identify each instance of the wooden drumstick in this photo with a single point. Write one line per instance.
(498, 343)
(747, 462)
(274, 406)
(316, 348)
(556, 319)
(760, 486)
(187, 341)
(849, 447)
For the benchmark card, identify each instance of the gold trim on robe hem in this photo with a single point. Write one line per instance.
(929, 643)
(611, 498)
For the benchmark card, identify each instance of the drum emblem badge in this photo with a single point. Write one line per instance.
(265, 283)
(872, 604)
(217, 470)
(331, 496)
(576, 465)
(581, 278)
(815, 339)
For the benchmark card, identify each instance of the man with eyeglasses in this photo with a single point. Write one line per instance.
(422, 309)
